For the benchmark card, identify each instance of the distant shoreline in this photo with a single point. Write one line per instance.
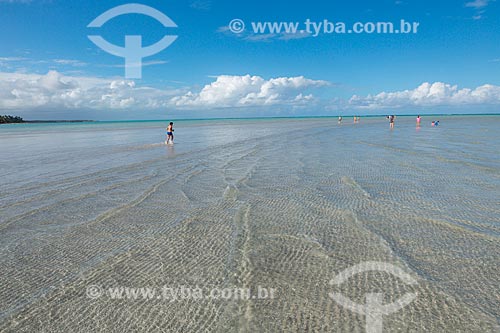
(251, 118)
(58, 121)
(47, 122)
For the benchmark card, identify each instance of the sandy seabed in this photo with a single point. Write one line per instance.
(288, 211)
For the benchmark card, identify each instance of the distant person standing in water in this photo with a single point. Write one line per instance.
(340, 119)
(391, 120)
(170, 133)
(418, 121)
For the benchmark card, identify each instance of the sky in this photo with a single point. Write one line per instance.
(50, 69)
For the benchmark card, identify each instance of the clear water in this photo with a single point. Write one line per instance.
(286, 203)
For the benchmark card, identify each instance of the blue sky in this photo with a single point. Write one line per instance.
(50, 69)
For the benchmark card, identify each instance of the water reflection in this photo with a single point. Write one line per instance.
(170, 150)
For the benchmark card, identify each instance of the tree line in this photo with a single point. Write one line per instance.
(10, 119)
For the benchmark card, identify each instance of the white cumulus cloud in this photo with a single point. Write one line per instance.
(58, 91)
(246, 90)
(430, 94)
(55, 90)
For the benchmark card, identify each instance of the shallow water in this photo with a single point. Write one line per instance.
(280, 203)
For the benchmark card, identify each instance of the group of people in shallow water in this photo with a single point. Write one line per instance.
(393, 117)
(434, 122)
(391, 120)
(356, 119)
(170, 127)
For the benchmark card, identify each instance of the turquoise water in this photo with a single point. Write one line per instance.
(284, 202)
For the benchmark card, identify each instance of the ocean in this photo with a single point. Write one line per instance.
(281, 203)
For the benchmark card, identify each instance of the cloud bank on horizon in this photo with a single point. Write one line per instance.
(430, 94)
(57, 91)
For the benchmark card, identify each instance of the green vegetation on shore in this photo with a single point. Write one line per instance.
(10, 119)
(7, 119)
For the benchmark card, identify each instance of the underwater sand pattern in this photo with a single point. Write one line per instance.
(288, 211)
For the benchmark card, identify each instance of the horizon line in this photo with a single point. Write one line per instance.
(267, 117)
